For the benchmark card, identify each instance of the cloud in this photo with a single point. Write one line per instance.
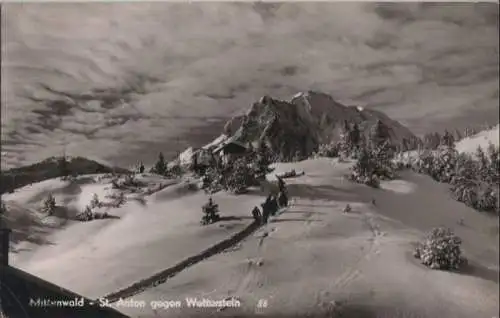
(121, 81)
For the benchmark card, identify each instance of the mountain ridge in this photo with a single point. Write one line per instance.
(304, 122)
(49, 168)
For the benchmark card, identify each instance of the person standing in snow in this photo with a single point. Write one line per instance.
(281, 184)
(273, 205)
(282, 199)
(256, 215)
(266, 209)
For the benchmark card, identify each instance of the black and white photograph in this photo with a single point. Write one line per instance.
(240, 159)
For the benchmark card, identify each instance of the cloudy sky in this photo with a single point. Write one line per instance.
(123, 81)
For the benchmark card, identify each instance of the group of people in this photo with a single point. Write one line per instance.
(272, 204)
(270, 207)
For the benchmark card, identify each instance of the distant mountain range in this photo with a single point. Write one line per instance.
(309, 119)
(48, 169)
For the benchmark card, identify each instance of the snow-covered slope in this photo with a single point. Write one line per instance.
(143, 236)
(314, 257)
(467, 145)
(311, 257)
(482, 139)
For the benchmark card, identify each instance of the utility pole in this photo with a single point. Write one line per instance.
(64, 148)
(63, 162)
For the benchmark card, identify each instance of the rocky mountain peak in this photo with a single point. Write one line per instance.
(298, 126)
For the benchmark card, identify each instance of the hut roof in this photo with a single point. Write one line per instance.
(232, 146)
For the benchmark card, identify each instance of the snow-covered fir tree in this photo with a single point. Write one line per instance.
(240, 177)
(447, 139)
(378, 134)
(49, 205)
(95, 203)
(441, 250)
(87, 213)
(264, 159)
(160, 166)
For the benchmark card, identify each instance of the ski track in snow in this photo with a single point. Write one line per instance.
(170, 272)
(163, 276)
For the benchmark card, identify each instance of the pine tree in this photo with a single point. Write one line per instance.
(355, 137)
(447, 139)
(349, 137)
(95, 203)
(476, 178)
(464, 182)
(414, 143)
(49, 205)
(240, 176)
(482, 159)
(427, 141)
(345, 126)
(87, 213)
(441, 250)
(141, 167)
(343, 146)
(364, 169)
(161, 166)
(436, 140)
(121, 199)
(263, 159)
(467, 132)
(405, 145)
(379, 133)
(329, 150)
(493, 176)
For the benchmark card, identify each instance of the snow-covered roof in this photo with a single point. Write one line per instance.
(216, 142)
(231, 141)
(186, 156)
(299, 94)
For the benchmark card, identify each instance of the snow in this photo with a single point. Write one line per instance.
(482, 139)
(314, 255)
(88, 192)
(217, 141)
(398, 186)
(147, 237)
(311, 256)
(186, 157)
(34, 192)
